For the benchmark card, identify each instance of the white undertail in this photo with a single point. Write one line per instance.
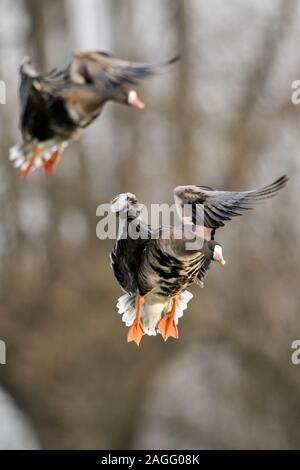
(153, 309)
(21, 154)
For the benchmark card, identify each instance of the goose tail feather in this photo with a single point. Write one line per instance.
(152, 311)
(21, 154)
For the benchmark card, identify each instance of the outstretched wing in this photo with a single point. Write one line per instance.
(220, 206)
(35, 91)
(92, 67)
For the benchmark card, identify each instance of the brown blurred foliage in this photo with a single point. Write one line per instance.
(222, 117)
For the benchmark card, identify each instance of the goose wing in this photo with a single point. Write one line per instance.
(92, 67)
(217, 207)
(35, 91)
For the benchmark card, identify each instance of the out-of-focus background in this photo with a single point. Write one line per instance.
(221, 117)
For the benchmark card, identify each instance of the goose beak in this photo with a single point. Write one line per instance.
(134, 101)
(218, 255)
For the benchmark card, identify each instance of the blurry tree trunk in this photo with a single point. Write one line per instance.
(122, 21)
(36, 37)
(248, 139)
(185, 121)
(10, 198)
(41, 23)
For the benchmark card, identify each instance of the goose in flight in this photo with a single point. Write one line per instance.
(155, 269)
(56, 107)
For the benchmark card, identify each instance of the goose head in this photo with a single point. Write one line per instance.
(126, 203)
(122, 95)
(213, 252)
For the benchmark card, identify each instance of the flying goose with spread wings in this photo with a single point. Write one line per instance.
(56, 107)
(155, 269)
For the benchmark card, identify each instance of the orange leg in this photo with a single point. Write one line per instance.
(167, 325)
(50, 165)
(137, 331)
(36, 153)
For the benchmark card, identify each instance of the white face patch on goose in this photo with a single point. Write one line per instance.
(134, 101)
(218, 255)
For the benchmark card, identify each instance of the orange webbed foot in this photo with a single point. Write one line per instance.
(31, 164)
(168, 327)
(50, 165)
(136, 332)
